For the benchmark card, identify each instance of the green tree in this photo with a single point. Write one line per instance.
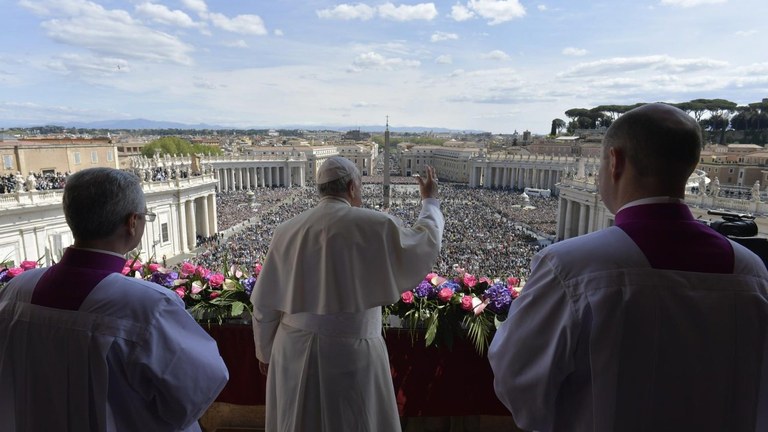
(557, 126)
(172, 145)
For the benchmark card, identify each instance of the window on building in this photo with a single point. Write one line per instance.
(110, 156)
(741, 174)
(164, 232)
(7, 162)
(76, 156)
(94, 157)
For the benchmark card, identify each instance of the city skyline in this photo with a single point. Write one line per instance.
(490, 65)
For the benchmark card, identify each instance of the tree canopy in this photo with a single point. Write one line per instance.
(177, 146)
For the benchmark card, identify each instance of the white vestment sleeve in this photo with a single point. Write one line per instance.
(533, 350)
(265, 325)
(178, 366)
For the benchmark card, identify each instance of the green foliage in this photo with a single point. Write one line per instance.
(177, 146)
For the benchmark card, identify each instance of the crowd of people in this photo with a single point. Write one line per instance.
(491, 233)
(11, 183)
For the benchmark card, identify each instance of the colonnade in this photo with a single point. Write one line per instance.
(250, 177)
(197, 216)
(519, 177)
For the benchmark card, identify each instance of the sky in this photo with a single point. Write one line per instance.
(483, 65)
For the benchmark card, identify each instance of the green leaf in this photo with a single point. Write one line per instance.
(237, 309)
(429, 338)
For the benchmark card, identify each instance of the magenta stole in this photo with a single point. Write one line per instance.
(672, 239)
(66, 285)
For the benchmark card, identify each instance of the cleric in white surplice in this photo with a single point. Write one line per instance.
(317, 305)
(657, 323)
(84, 348)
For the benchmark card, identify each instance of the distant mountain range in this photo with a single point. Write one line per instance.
(134, 124)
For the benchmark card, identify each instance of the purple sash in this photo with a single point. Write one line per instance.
(672, 239)
(66, 285)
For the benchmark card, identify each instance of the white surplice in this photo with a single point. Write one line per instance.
(317, 313)
(130, 359)
(599, 341)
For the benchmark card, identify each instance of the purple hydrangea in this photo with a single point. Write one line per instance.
(452, 284)
(4, 276)
(164, 279)
(248, 285)
(424, 289)
(499, 297)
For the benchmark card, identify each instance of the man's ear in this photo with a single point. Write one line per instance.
(131, 222)
(618, 162)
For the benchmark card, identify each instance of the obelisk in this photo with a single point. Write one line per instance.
(385, 184)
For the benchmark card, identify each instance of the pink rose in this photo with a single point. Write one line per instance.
(407, 297)
(486, 280)
(470, 280)
(430, 276)
(197, 286)
(27, 265)
(513, 281)
(135, 265)
(514, 292)
(15, 271)
(214, 294)
(180, 291)
(466, 303)
(257, 269)
(187, 268)
(202, 272)
(126, 269)
(153, 267)
(216, 279)
(445, 294)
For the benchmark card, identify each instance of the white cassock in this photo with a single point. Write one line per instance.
(317, 313)
(129, 359)
(600, 340)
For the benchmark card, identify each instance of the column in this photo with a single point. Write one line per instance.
(213, 227)
(302, 179)
(582, 219)
(191, 226)
(205, 223)
(568, 222)
(269, 176)
(247, 178)
(182, 210)
(240, 182)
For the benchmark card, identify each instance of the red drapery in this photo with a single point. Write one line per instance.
(427, 381)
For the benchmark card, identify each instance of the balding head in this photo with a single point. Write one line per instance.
(649, 151)
(660, 141)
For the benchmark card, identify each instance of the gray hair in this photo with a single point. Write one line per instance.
(336, 187)
(97, 201)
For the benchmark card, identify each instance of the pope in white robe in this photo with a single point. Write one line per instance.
(317, 306)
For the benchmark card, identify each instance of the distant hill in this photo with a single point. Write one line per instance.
(135, 124)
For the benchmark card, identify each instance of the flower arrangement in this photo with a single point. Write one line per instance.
(208, 295)
(457, 306)
(8, 271)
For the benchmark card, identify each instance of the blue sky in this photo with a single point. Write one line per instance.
(492, 65)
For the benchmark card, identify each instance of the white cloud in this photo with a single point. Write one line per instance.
(374, 61)
(278, 32)
(443, 36)
(87, 65)
(421, 11)
(348, 12)
(496, 55)
(198, 6)
(160, 13)
(577, 52)
(744, 33)
(690, 3)
(242, 24)
(542, 7)
(494, 11)
(236, 44)
(444, 59)
(657, 62)
(111, 33)
(461, 13)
